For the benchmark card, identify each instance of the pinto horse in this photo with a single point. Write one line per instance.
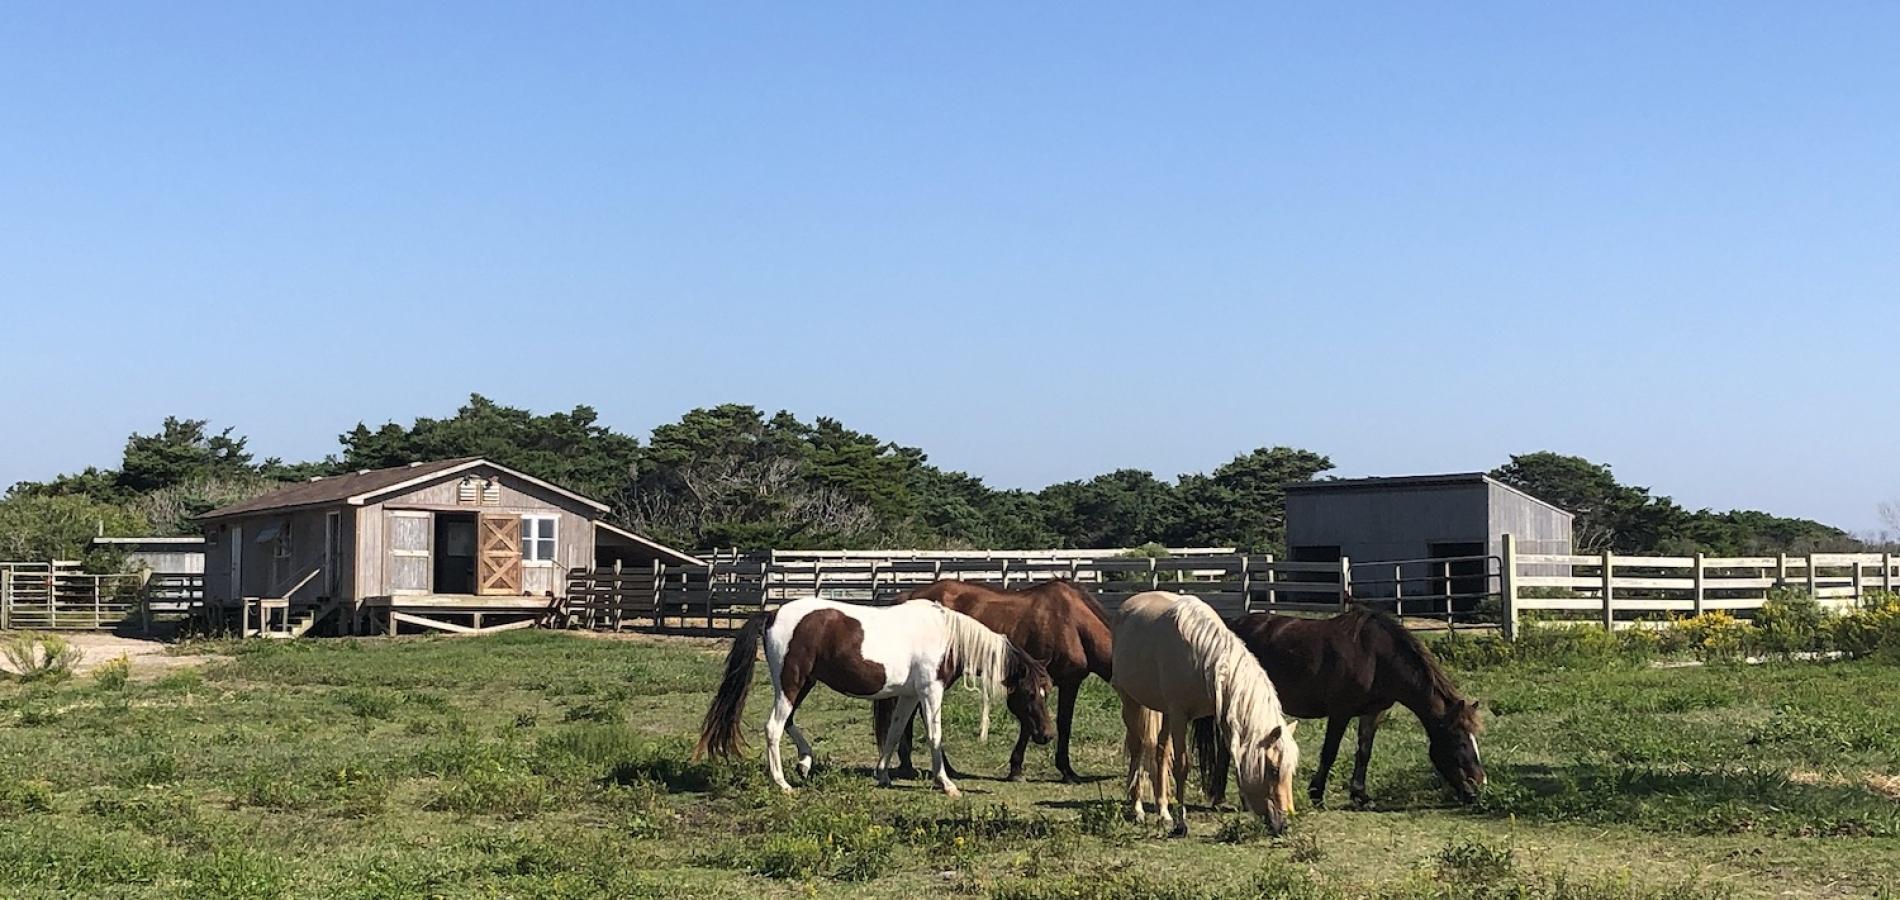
(1356, 665)
(909, 652)
(1176, 662)
(1055, 622)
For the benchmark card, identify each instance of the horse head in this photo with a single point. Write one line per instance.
(1265, 770)
(1027, 682)
(1454, 748)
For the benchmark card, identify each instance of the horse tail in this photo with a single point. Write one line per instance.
(1212, 756)
(721, 733)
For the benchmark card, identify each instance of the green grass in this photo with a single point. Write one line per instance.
(547, 765)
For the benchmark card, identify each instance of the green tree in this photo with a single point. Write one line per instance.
(181, 450)
(1123, 508)
(46, 527)
(1243, 503)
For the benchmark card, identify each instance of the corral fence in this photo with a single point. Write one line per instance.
(718, 597)
(1618, 591)
(54, 596)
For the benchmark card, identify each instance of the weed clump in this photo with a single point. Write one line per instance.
(41, 657)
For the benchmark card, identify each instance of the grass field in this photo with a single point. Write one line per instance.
(550, 765)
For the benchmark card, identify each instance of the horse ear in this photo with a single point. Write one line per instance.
(1291, 725)
(1273, 737)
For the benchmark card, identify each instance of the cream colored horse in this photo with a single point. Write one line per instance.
(1175, 662)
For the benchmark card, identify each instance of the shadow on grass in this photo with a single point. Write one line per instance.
(1727, 801)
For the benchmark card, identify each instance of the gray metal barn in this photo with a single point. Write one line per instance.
(1424, 517)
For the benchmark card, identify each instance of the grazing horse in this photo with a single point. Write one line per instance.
(909, 652)
(1176, 662)
(1356, 665)
(1055, 622)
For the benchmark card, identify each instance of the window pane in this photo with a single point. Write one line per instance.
(527, 531)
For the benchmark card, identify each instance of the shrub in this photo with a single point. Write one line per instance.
(113, 673)
(1789, 622)
(1872, 629)
(18, 798)
(41, 657)
(1714, 635)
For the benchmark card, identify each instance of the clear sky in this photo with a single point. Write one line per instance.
(1040, 241)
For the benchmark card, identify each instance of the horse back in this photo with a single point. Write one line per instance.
(1320, 667)
(1053, 621)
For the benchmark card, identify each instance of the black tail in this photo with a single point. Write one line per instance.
(1212, 756)
(722, 734)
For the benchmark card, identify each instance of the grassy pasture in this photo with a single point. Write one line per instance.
(550, 765)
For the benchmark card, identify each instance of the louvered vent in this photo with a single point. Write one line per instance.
(491, 491)
(465, 492)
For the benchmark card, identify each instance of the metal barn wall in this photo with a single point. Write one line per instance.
(1372, 524)
(1539, 528)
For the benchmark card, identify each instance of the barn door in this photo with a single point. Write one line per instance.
(498, 563)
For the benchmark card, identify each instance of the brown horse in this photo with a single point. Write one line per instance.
(1055, 622)
(1356, 665)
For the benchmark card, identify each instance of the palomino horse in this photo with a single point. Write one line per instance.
(1055, 622)
(1176, 662)
(908, 652)
(1355, 666)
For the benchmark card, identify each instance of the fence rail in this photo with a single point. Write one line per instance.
(51, 597)
(1615, 590)
(717, 597)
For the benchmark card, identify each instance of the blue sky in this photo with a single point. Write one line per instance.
(1040, 241)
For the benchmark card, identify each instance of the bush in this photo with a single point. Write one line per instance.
(1790, 622)
(1873, 629)
(113, 674)
(1713, 635)
(42, 657)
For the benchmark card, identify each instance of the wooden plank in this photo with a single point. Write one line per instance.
(430, 623)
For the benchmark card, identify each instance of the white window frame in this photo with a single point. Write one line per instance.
(553, 537)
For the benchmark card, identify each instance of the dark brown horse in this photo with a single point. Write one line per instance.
(1055, 622)
(1356, 665)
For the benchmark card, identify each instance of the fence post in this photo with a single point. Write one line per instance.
(1886, 573)
(1701, 580)
(1507, 586)
(98, 589)
(1398, 590)
(6, 598)
(1609, 591)
(1273, 598)
(1781, 570)
(1858, 584)
(1345, 581)
(1246, 586)
(1814, 583)
(1154, 578)
(145, 601)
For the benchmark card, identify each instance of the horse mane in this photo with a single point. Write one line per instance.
(1246, 704)
(985, 656)
(1416, 660)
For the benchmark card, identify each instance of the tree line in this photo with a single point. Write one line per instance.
(732, 476)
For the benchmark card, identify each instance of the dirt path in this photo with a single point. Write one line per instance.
(147, 656)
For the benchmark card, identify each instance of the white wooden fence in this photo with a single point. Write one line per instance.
(1615, 590)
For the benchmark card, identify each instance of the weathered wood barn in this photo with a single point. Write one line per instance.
(454, 545)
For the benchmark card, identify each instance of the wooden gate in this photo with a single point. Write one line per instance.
(498, 563)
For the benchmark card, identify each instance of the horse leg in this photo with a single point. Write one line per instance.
(1335, 732)
(1177, 728)
(933, 727)
(1135, 744)
(881, 717)
(1368, 729)
(1158, 770)
(892, 737)
(1065, 713)
(774, 732)
(1016, 755)
(805, 759)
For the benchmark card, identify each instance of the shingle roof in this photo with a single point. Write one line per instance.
(336, 488)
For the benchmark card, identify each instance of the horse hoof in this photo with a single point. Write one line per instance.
(905, 772)
(1363, 804)
(951, 792)
(1071, 778)
(1014, 776)
(1178, 831)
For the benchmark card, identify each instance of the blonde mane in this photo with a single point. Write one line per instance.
(1246, 704)
(980, 654)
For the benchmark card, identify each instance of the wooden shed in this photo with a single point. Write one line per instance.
(454, 545)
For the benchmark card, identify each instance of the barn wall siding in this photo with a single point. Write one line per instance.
(1371, 523)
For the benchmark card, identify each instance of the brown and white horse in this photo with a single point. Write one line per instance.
(1176, 662)
(909, 652)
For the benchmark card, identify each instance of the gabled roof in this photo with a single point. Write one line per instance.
(358, 488)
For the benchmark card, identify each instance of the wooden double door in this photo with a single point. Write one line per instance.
(477, 553)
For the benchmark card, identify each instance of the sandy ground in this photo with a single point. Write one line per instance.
(147, 656)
